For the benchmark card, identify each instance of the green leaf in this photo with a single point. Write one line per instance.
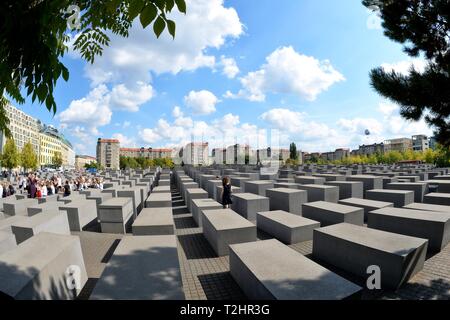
(148, 15)
(169, 5)
(135, 8)
(65, 73)
(171, 27)
(158, 26)
(181, 5)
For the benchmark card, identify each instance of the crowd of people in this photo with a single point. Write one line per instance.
(39, 187)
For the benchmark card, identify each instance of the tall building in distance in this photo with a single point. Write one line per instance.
(45, 139)
(400, 144)
(196, 153)
(24, 128)
(148, 153)
(108, 153)
(82, 160)
(420, 142)
(51, 142)
(370, 149)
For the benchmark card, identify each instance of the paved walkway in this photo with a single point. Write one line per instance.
(206, 276)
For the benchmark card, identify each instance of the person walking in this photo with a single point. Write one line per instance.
(226, 193)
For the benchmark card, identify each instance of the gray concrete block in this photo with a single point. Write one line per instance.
(258, 187)
(289, 200)
(419, 188)
(192, 194)
(142, 268)
(38, 268)
(115, 214)
(7, 242)
(80, 213)
(309, 180)
(269, 270)
(200, 205)
(434, 226)
(330, 177)
(239, 182)
(12, 207)
(354, 248)
(328, 213)
(135, 194)
(369, 182)
(54, 222)
(399, 198)
(157, 200)
(286, 227)
(234, 190)
(321, 193)
(367, 205)
(442, 199)
(154, 221)
(248, 204)
(348, 189)
(224, 227)
(428, 207)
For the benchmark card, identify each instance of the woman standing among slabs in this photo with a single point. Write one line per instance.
(226, 192)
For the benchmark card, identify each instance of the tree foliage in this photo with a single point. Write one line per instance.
(293, 151)
(439, 157)
(57, 159)
(34, 37)
(10, 156)
(423, 27)
(144, 163)
(28, 158)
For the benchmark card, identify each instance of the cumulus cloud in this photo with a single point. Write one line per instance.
(207, 25)
(403, 67)
(289, 72)
(126, 99)
(201, 102)
(176, 112)
(149, 136)
(92, 110)
(229, 67)
(125, 142)
(95, 110)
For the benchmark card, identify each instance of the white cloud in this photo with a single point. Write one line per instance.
(123, 98)
(208, 24)
(201, 102)
(91, 111)
(126, 124)
(229, 67)
(149, 136)
(125, 142)
(176, 112)
(289, 72)
(403, 67)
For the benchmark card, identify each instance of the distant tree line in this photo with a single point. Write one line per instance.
(439, 157)
(144, 163)
(12, 158)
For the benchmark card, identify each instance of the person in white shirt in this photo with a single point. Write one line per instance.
(1, 190)
(43, 190)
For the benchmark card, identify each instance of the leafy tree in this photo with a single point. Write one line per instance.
(57, 159)
(10, 155)
(423, 27)
(429, 156)
(28, 158)
(442, 158)
(34, 36)
(93, 165)
(293, 151)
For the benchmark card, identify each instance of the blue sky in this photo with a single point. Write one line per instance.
(235, 71)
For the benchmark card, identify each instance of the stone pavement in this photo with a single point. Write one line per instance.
(206, 276)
